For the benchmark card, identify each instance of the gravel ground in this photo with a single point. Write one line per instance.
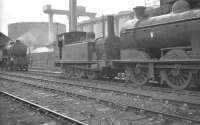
(84, 110)
(13, 113)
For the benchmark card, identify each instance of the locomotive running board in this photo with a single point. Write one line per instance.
(85, 62)
(184, 61)
(159, 64)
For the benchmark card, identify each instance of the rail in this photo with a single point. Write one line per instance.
(68, 120)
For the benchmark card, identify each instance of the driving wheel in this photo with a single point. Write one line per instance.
(177, 78)
(137, 75)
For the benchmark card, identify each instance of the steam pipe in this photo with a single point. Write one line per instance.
(139, 12)
(103, 26)
(111, 31)
(60, 45)
(161, 2)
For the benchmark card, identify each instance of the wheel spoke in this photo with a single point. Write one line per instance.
(141, 78)
(179, 80)
(185, 75)
(91, 75)
(179, 83)
(183, 78)
(137, 76)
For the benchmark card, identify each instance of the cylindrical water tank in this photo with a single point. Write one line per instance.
(34, 33)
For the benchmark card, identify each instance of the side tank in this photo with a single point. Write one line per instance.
(170, 30)
(16, 49)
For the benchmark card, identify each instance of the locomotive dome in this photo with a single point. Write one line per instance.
(180, 6)
(139, 13)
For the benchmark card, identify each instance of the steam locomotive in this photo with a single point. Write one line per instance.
(164, 48)
(13, 54)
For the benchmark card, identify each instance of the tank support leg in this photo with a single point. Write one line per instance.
(151, 70)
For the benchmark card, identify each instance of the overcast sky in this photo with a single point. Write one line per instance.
(12, 11)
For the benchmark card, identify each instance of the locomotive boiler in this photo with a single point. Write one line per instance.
(16, 49)
(13, 54)
(165, 48)
(171, 30)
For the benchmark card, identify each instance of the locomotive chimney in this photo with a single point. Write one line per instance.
(161, 2)
(110, 20)
(139, 12)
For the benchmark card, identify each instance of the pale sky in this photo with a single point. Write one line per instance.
(12, 11)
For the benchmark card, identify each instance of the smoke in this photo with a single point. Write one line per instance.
(28, 39)
(35, 38)
(42, 49)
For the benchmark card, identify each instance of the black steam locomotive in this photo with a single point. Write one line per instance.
(13, 54)
(164, 48)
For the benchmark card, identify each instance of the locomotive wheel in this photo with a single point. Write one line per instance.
(91, 75)
(128, 74)
(139, 76)
(68, 72)
(79, 74)
(175, 54)
(177, 78)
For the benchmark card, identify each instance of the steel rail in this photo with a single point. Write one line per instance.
(68, 120)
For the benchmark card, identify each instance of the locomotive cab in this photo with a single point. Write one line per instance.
(75, 45)
(69, 38)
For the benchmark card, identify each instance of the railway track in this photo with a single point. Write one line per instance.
(97, 114)
(157, 93)
(38, 108)
(58, 75)
(16, 113)
(166, 109)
